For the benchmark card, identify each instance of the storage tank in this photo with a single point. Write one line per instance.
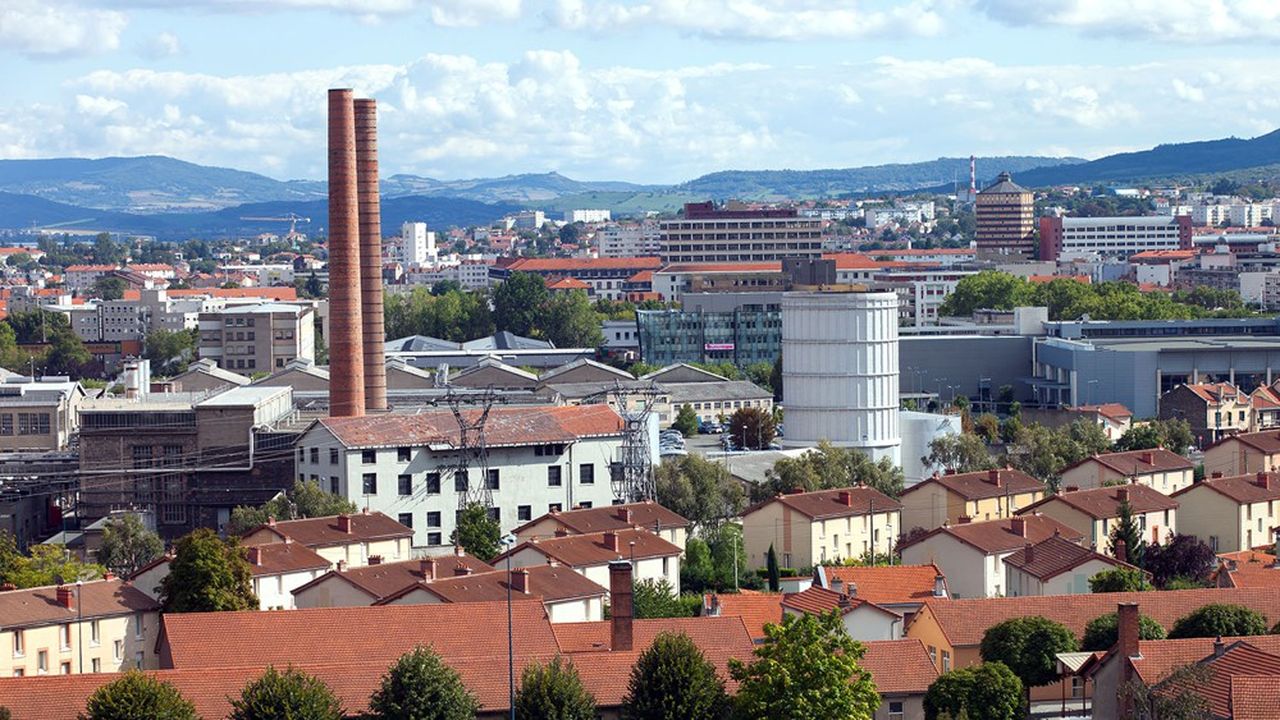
(840, 370)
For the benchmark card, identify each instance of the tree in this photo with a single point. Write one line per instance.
(42, 565)
(553, 692)
(673, 680)
(67, 356)
(700, 490)
(1126, 530)
(1043, 453)
(713, 562)
(1177, 697)
(569, 321)
(960, 453)
(138, 695)
(207, 574)
(987, 427)
(478, 532)
(518, 303)
(752, 428)
(825, 468)
(1173, 434)
(1119, 579)
(808, 668)
(760, 373)
(170, 351)
(1183, 557)
(1216, 619)
(303, 500)
(988, 691)
(686, 421)
(775, 379)
(656, 599)
(771, 566)
(1102, 632)
(419, 685)
(312, 287)
(1029, 647)
(127, 545)
(289, 694)
(108, 287)
(987, 289)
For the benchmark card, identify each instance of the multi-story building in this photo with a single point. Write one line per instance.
(39, 415)
(618, 240)
(1232, 513)
(1249, 214)
(587, 216)
(529, 220)
(740, 334)
(1157, 468)
(82, 277)
(539, 459)
(805, 529)
(1212, 409)
(254, 338)
(1122, 237)
(1005, 216)
(1094, 513)
(132, 318)
(606, 276)
(264, 275)
(469, 274)
(416, 245)
(956, 498)
(706, 234)
(1210, 214)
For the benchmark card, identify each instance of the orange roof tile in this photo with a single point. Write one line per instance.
(887, 584)
(1253, 697)
(594, 637)
(1265, 441)
(1140, 462)
(505, 426)
(326, 531)
(385, 579)
(648, 514)
(595, 548)
(1104, 502)
(899, 667)
(548, 583)
(841, 502)
(286, 557)
(1055, 555)
(37, 606)
(983, 483)
(816, 600)
(1111, 411)
(997, 536)
(755, 608)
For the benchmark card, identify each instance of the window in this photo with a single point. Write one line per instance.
(118, 648)
(95, 637)
(95, 665)
(403, 454)
(1077, 686)
(333, 456)
(553, 476)
(315, 456)
(6, 424)
(406, 519)
(138, 626)
(65, 668)
(42, 662)
(587, 474)
(524, 512)
(434, 539)
(433, 518)
(553, 507)
(19, 648)
(404, 484)
(461, 481)
(933, 655)
(492, 480)
(369, 483)
(585, 505)
(333, 484)
(495, 514)
(64, 636)
(19, 672)
(896, 711)
(433, 483)
(368, 457)
(946, 661)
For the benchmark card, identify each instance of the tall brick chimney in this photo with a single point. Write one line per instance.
(620, 605)
(611, 541)
(346, 350)
(255, 555)
(371, 321)
(66, 596)
(520, 580)
(344, 523)
(1127, 629)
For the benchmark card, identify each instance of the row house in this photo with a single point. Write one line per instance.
(666, 524)
(953, 498)
(1231, 513)
(1094, 513)
(1244, 453)
(1055, 566)
(1213, 410)
(1157, 468)
(590, 555)
(808, 528)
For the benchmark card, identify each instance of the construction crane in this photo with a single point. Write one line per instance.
(292, 218)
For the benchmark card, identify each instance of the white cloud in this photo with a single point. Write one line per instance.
(41, 29)
(1183, 21)
(162, 45)
(447, 13)
(1187, 91)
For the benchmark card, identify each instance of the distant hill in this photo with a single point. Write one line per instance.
(1173, 160)
(783, 184)
(528, 189)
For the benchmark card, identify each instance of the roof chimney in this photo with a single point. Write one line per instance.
(346, 343)
(342, 566)
(623, 514)
(835, 585)
(344, 523)
(1127, 629)
(66, 597)
(620, 605)
(1029, 553)
(611, 541)
(428, 567)
(964, 520)
(1148, 457)
(939, 586)
(459, 570)
(1122, 494)
(375, 559)
(1018, 526)
(8, 587)
(520, 580)
(372, 331)
(1216, 474)
(1264, 481)
(845, 498)
(1071, 488)
(711, 606)
(255, 555)
(1120, 550)
(459, 551)
(993, 477)
(561, 532)
(1218, 647)
(271, 521)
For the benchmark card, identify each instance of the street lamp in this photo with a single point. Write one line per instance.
(80, 622)
(508, 541)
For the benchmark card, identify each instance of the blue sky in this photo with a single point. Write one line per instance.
(644, 90)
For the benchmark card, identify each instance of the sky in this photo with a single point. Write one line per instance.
(650, 91)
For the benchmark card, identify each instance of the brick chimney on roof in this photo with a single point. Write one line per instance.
(993, 477)
(1264, 481)
(623, 514)
(964, 520)
(1148, 457)
(66, 596)
(375, 559)
(428, 567)
(520, 580)
(342, 566)
(460, 570)
(621, 609)
(1122, 494)
(1018, 526)
(1120, 550)
(1029, 553)
(344, 523)
(1127, 629)
(845, 498)
(611, 541)
(458, 551)
(561, 532)
(271, 521)
(1216, 474)
(255, 555)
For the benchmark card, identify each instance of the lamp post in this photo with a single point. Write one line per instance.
(508, 541)
(80, 622)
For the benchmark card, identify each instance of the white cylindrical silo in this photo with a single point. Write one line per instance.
(840, 370)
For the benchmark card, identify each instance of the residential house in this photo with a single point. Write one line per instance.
(538, 459)
(1055, 566)
(1156, 468)
(809, 528)
(276, 568)
(351, 586)
(1213, 410)
(567, 595)
(1266, 408)
(1247, 569)
(1244, 453)
(862, 619)
(1114, 418)
(649, 515)
(1094, 513)
(365, 538)
(902, 672)
(982, 495)
(971, 555)
(1231, 513)
(900, 588)
(590, 554)
(95, 626)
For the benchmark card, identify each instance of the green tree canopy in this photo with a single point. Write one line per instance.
(686, 421)
(806, 668)
(207, 574)
(698, 489)
(553, 692)
(453, 315)
(289, 694)
(108, 287)
(988, 691)
(1127, 530)
(136, 695)
(518, 303)
(1102, 632)
(1043, 453)
(127, 545)
(1216, 619)
(42, 565)
(713, 561)
(303, 500)
(170, 351)
(570, 321)
(673, 680)
(657, 599)
(1172, 434)
(420, 686)
(826, 468)
(960, 453)
(1183, 558)
(1119, 579)
(1029, 647)
(752, 428)
(478, 533)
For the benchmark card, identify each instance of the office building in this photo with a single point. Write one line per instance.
(707, 234)
(1074, 237)
(258, 338)
(1005, 216)
(630, 240)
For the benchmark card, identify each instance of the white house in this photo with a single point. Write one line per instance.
(863, 619)
(1055, 566)
(540, 459)
(568, 595)
(651, 516)
(370, 584)
(277, 570)
(366, 538)
(1094, 513)
(590, 554)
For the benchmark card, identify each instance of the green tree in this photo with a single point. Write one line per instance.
(290, 694)
(760, 373)
(1102, 632)
(42, 565)
(987, 427)
(1043, 453)
(807, 667)
(657, 599)
(127, 545)
(686, 421)
(960, 453)
(477, 532)
(67, 356)
(1215, 619)
(420, 686)
(170, 351)
(568, 320)
(1029, 647)
(1173, 434)
(1128, 531)
(987, 691)
(1183, 558)
(303, 500)
(715, 561)
(828, 467)
(700, 490)
(752, 428)
(137, 695)
(673, 680)
(312, 287)
(1119, 579)
(987, 289)
(207, 574)
(109, 288)
(771, 566)
(518, 303)
(775, 379)
(553, 692)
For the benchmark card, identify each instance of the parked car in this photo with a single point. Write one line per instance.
(672, 452)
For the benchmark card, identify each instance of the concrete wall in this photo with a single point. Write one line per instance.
(933, 364)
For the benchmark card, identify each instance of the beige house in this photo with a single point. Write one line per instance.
(808, 528)
(1233, 513)
(1114, 418)
(1157, 468)
(366, 538)
(1093, 513)
(371, 584)
(42, 414)
(1055, 566)
(977, 496)
(97, 626)
(1244, 453)
(1213, 410)
(902, 672)
(649, 515)
(590, 554)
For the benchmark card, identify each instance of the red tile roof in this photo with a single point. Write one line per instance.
(1104, 502)
(553, 265)
(567, 283)
(505, 427)
(1238, 658)
(594, 637)
(595, 549)
(887, 584)
(816, 600)
(842, 502)
(998, 536)
(1265, 441)
(899, 667)
(1253, 697)
(1247, 569)
(756, 609)
(1111, 411)
(1055, 555)
(282, 558)
(386, 579)
(550, 584)
(1265, 398)
(1140, 462)
(34, 607)
(984, 483)
(1216, 393)
(649, 515)
(327, 532)
(1241, 489)
(853, 261)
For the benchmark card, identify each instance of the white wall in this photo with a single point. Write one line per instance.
(965, 568)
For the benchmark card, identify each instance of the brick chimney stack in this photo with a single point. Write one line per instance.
(1018, 526)
(461, 570)
(993, 477)
(428, 566)
(1122, 494)
(1121, 551)
(255, 555)
(66, 596)
(1127, 629)
(344, 523)
(611, 541)
(1029, 552)
(623, 514)
(520, 580)
(346, 346)
(1264, 480)
(846, 498)
(1148, 457)
(373, 333)
(621, 609)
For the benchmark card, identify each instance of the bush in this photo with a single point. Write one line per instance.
(138, 695)
(553, 692)
(673, 680)
(989, 691)
(1219, 619)
(1102, 632)
(420, 685)
(1029, 647)
(289, 694)
(1119, 579)
(686, 421)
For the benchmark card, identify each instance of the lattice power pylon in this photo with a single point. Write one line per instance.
(632, 473)
(470, 469)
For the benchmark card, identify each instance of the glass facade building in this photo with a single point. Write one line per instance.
(746, 335)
